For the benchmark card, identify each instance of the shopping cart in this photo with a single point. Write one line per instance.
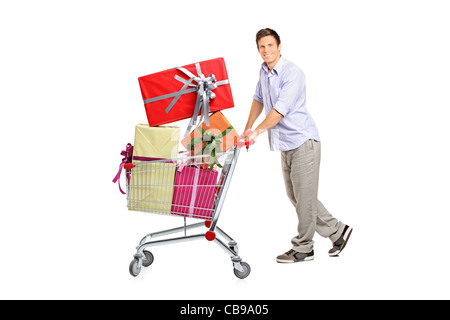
(189, 187)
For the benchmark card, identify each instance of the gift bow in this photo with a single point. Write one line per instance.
(204, 88)
(211, 145)
(211, 141)
(127, 158)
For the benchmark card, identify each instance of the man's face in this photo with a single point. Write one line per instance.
(269, 51)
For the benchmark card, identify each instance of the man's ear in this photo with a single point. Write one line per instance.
(279, 47)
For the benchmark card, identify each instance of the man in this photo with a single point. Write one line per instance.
(281, 93)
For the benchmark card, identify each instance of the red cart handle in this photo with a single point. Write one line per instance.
(247, 143)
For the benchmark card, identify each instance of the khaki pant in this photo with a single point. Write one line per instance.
(301, 177)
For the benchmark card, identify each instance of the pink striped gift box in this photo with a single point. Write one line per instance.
(194, 191)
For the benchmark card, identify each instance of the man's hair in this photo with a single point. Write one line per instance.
(267, 32)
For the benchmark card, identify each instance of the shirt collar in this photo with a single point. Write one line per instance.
(278, 67)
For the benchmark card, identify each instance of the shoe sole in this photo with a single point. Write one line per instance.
(292, 261)
(346, 238)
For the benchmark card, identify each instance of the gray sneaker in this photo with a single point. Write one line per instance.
(294, 256)
(340, 243)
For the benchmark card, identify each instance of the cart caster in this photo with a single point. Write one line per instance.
(243, 274)
(233, 246)
(148, 259)
(135, 269)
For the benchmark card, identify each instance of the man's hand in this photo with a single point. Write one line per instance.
(251, 135)
(246, 134)
(248, 140)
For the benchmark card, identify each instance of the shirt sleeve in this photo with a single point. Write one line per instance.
(291, 93)
(258, 93)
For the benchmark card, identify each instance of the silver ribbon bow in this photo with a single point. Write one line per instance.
(204, 88)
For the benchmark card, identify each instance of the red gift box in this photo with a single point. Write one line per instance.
(186, 92)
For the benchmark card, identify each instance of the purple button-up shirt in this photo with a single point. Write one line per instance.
(284, 90)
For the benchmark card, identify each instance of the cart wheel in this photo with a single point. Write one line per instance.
(134, 269)
(244, 274)
(148, 260)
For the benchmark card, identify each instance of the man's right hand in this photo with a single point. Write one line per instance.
(246, 134)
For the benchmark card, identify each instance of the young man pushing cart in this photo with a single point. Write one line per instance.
(280, 92)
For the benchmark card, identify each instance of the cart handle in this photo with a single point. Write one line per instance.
(128, 166)
(246, 143)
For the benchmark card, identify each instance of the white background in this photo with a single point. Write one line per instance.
(378, 79)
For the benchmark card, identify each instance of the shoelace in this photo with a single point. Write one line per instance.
(290, 252)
